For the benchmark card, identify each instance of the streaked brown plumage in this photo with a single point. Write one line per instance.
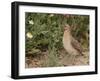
(71, 45)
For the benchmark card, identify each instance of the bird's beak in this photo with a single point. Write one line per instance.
(65, 28)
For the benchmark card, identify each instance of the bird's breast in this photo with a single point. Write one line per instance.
(67, 45)
(66, 42)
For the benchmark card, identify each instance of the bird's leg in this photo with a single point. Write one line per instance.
(69, 59)
(72, 59)
(66, 60)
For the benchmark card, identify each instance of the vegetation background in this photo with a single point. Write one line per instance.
(44, 32)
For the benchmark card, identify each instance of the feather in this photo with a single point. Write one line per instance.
(76, 45)
(71, 45)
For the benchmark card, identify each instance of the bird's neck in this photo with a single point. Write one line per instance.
(67, 35)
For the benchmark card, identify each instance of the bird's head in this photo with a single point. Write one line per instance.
(67, 28)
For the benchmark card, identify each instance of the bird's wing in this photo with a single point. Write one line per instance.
(76, 45)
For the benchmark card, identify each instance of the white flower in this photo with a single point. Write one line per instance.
(56, 40)
(31, 22)
(29, 35)
(51, 15)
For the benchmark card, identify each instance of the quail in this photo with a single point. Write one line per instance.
(71, 45)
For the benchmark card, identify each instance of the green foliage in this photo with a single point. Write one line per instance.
(44, 32)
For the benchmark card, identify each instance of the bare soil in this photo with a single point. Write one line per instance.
(64, 59)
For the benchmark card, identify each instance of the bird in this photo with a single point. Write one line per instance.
(70, 44)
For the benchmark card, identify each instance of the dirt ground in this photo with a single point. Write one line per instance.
(64, 60)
